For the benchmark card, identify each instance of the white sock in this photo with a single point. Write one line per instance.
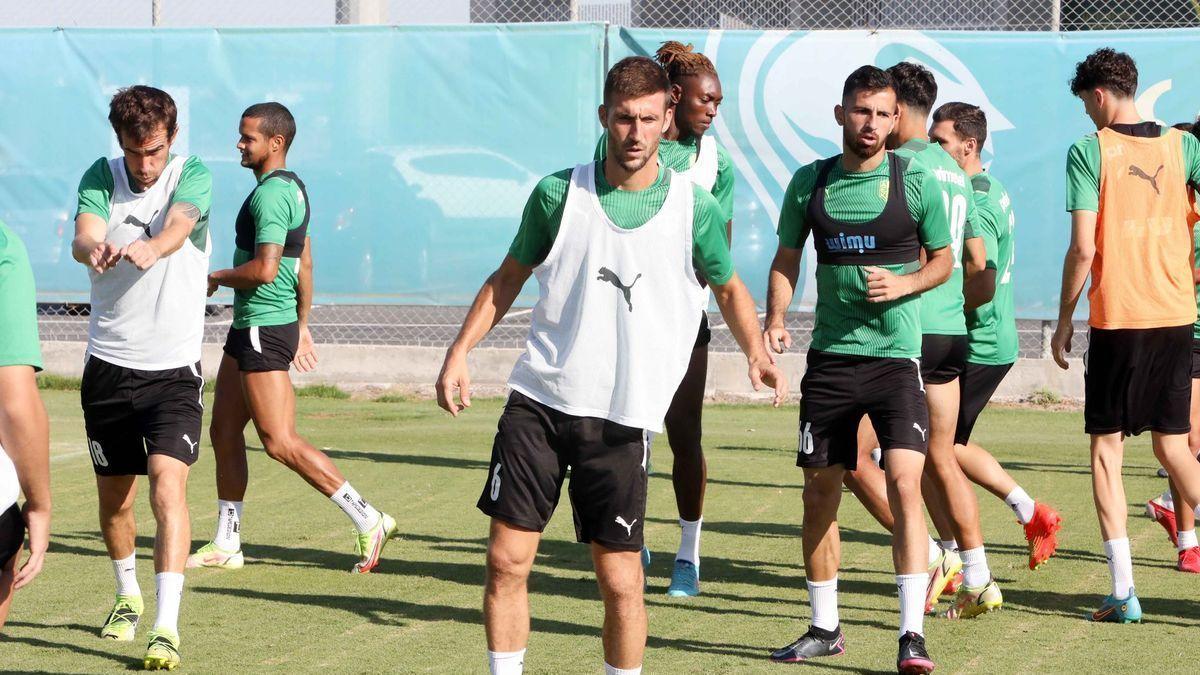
(823, 597)
(1120, 566)
(1168, 500)
(126, 573)
(948, 544)
(935, 551)
(689, 541)
(169, 586)
(506, 663)
(609, 670)
(1196, 511)
(912, 602)
(1187, 539)
(363, 515)
(877, 456)
(229, 526)
(975, 568)
(1021, 504)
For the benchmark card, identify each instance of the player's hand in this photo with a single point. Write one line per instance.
(766, 372)
(104, 257)
(885, 286)
(454, 377)
(777, 340)
(306, 352)
(142, 253)
(212, 285)
(1060, 344)
(37, 520)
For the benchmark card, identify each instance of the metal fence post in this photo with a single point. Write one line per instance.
(1055, 15)
(1047, 336)
(155, 12)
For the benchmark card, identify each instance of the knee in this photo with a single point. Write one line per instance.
(223, 433)
(506, 572)
(625, 589)
(1107, 460)
(683, 434)
(115, 506)
(281, 448)
(906, 486)
(819, 497)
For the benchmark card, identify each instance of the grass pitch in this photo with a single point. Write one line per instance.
(296, 608)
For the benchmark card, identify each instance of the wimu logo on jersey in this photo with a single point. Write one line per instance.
(781, 88)
(844, 244)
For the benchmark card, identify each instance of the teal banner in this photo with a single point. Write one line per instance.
(420, 145)
(780, 89)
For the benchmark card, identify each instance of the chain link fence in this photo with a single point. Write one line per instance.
(1030, 15)
(425, 326)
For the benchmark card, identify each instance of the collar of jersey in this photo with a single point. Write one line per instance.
(603, 188)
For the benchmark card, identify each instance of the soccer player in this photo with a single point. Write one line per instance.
(272, 282)
(961, 129)
(944, 348)
(615, 246)
(1131, 229)
(870, 212)
(24, 429)
(1180, 522)
(141, 229)
(685, 149)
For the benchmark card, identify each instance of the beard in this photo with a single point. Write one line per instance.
(859, 148)
(636, 164)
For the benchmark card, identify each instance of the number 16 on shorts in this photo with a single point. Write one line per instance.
(806, 438)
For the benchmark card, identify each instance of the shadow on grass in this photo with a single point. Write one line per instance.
(118, 659)
(387, 612)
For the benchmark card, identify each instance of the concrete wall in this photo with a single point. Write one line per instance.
(414, 369)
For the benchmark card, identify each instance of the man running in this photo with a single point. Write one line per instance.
(870, 212)
(944, 347)
(141, 229)
(615, 246)
(1128, 188)
(695, 97)
(272, 282)
(24, 429)
(961, 129)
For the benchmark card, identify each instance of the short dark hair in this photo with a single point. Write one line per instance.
(969, 120)
(274, 119)
(636, 76)
(867, 78)
(138, 110)
(915, 85)
(1108, 69)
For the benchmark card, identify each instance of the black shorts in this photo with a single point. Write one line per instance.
(263, 348)
(1195, 359)
(12, 534)
(704, 337)
(837, 390)
(1136, 379)
(131, 414)
(943, 357)
(976, 386)
(535, 444)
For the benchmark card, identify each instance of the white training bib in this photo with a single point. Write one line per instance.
(617, 312)
(152, 319)
(703, 171)
(10, 488)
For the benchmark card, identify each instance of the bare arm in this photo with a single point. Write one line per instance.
(181, 219)
(1076, 267)
(974, 256)
(492, 302)
(781, 287)
(738, 309)
(25, 435)
(885, 286)
(259, 270)
(979, 288)
(306, 352)
(88, 246)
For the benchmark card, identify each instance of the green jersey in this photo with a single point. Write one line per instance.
(627, 210)
(19, 344)
(992, 327)
(681, 156)
(276, 212)
(942, 306)
(1083, 163)
(846, 323)
(194, 187)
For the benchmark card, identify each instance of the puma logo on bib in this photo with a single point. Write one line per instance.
(132, 220)
(1136, 171)
(612, 278)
